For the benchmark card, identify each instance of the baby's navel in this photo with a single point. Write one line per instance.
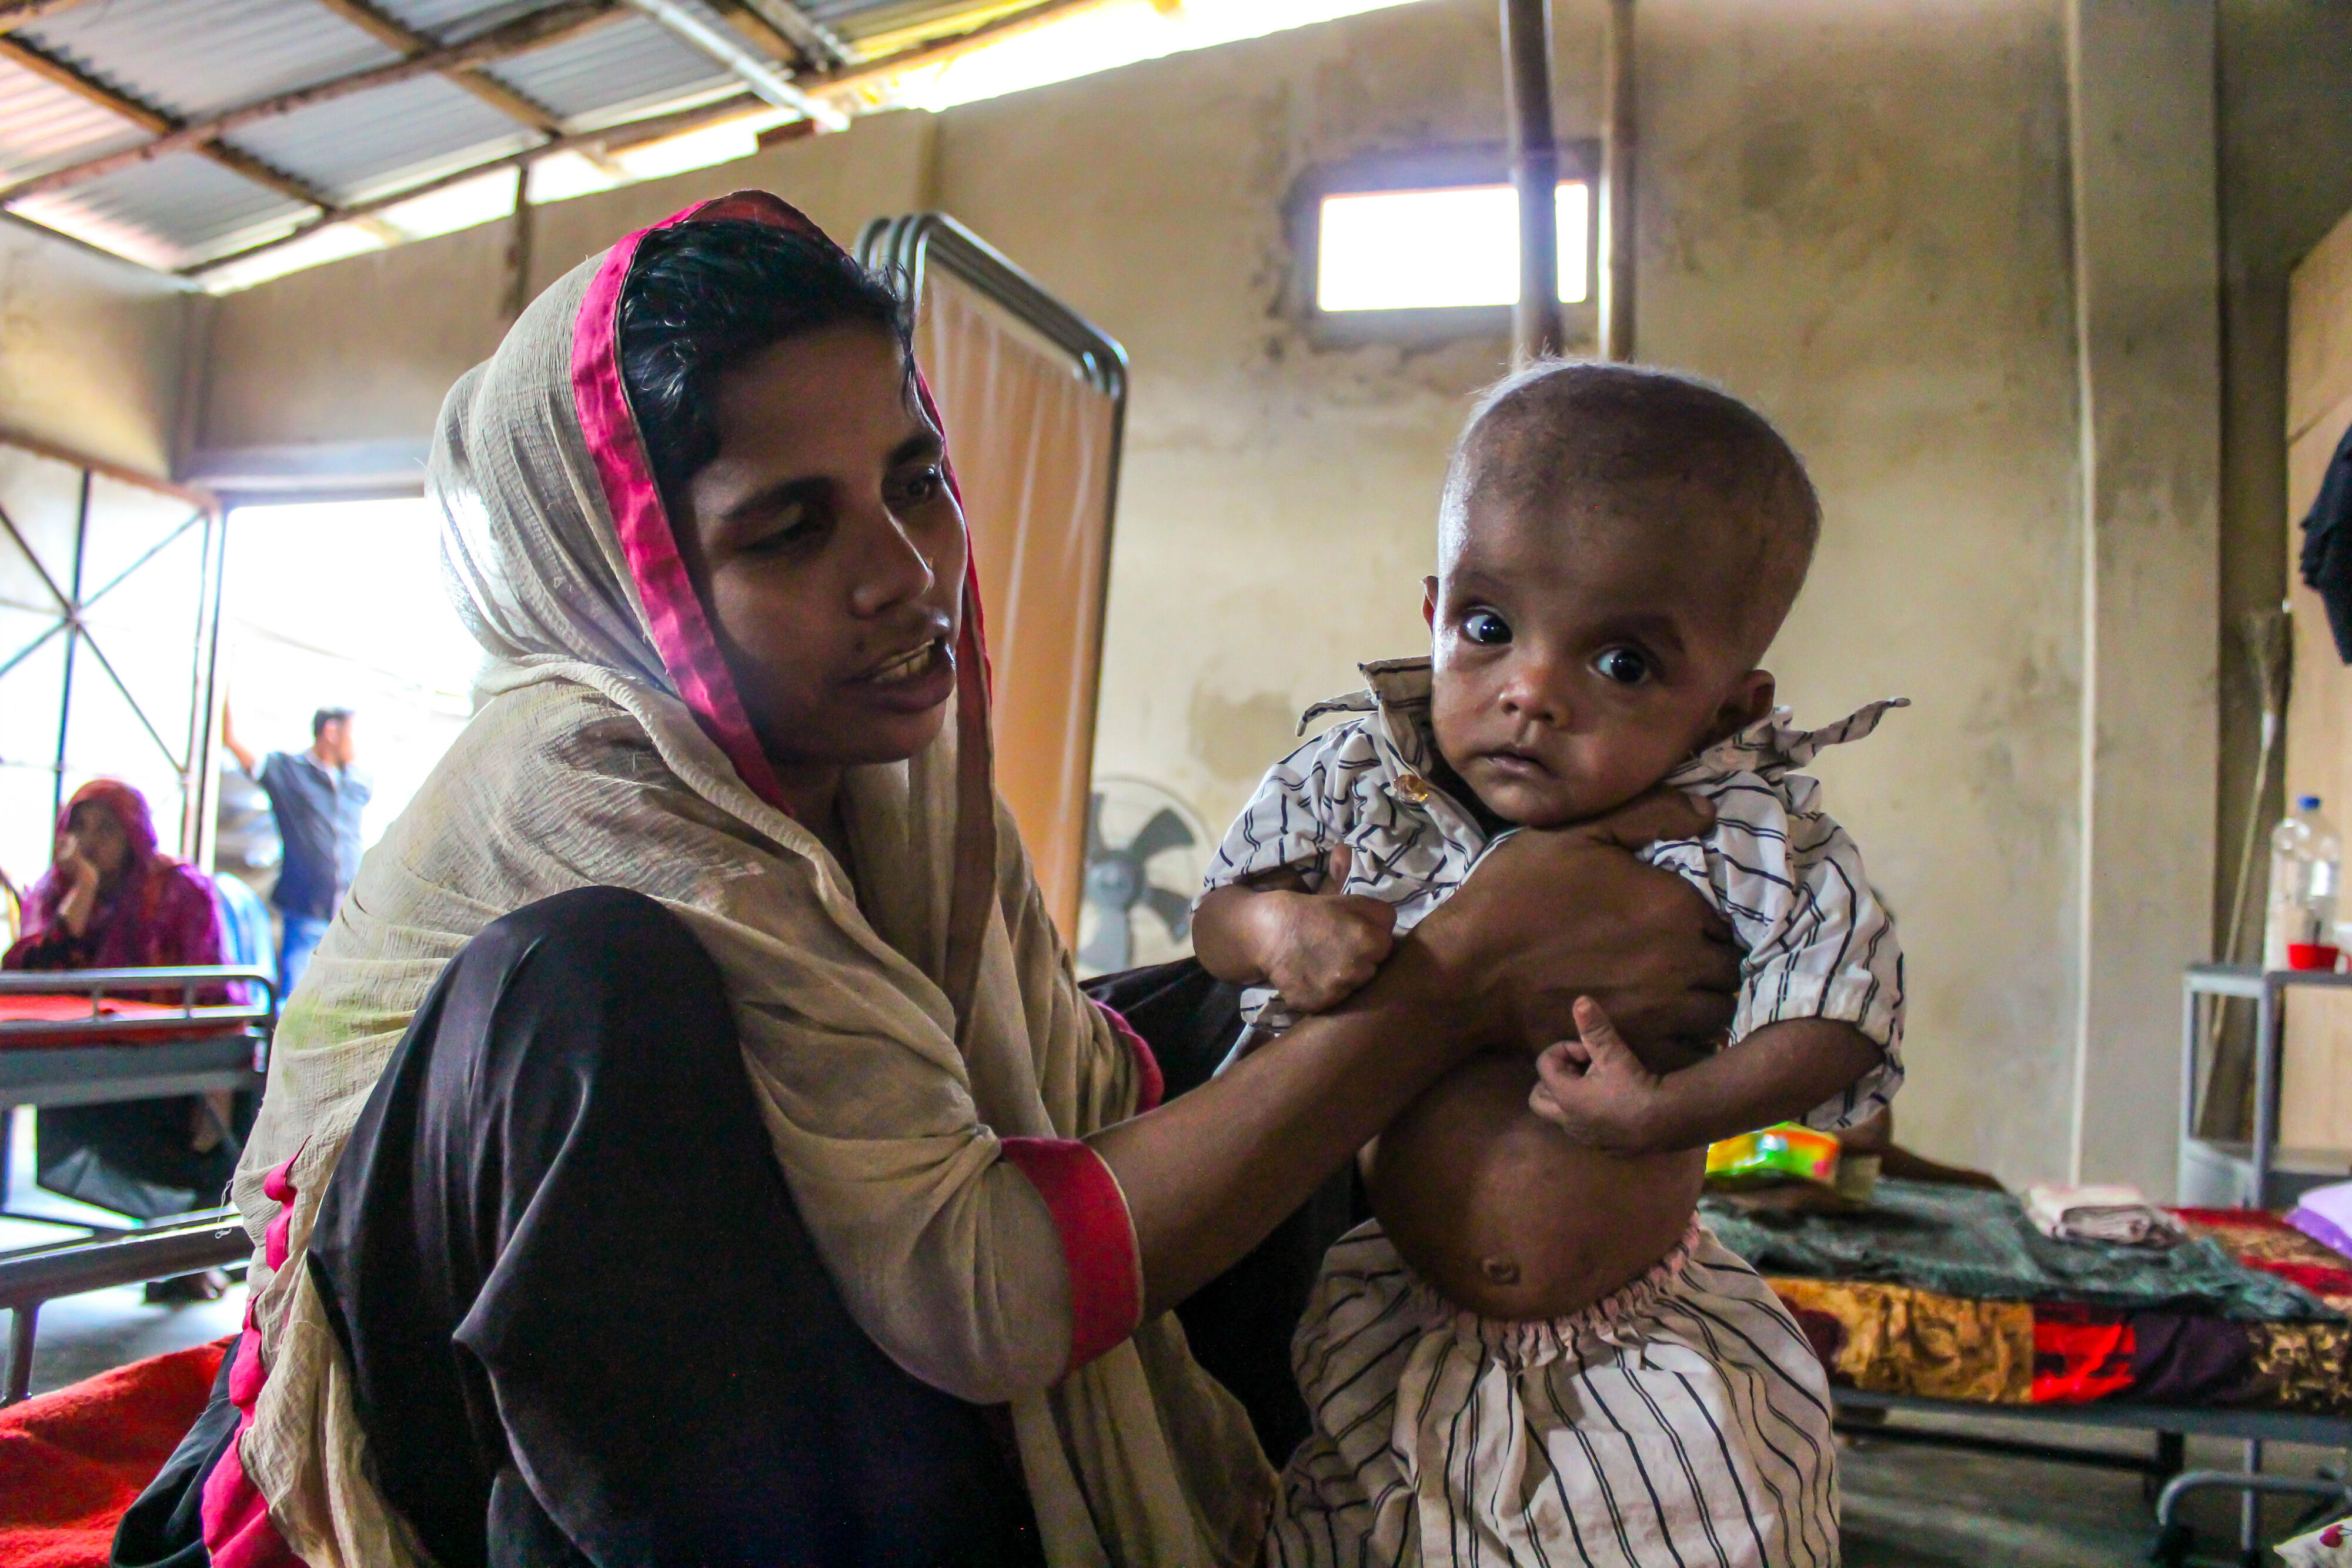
(1499, 1270)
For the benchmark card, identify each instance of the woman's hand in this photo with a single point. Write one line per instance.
(1316, 948)
(1547, 917)
(1551, 915)
(81, 875)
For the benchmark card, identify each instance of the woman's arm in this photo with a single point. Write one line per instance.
(1547, 916)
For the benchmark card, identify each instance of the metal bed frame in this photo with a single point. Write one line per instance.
(152, 1064)
(28, 1281)
(2163, 1479)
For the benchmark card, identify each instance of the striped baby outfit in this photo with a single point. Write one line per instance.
(1683, 1420)
(1819, 942)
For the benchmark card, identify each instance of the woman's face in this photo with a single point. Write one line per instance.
(829, 552)
(98, 835)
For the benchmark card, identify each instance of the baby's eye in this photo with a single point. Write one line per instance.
(1485, 628)
(1623, 665)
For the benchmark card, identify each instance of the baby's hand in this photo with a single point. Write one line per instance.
(1596, 1090)
(1330, 943)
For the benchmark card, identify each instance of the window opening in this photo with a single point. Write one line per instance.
(339, 604)
(1439, 248)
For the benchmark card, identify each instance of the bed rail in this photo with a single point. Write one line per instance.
(209, 1239)
(104, 984)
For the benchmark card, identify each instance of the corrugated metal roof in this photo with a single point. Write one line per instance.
(451, 20)
(168, 213)
(193, 59)
(353, 147)
(42, 125)
(624, 63)
(872, 18)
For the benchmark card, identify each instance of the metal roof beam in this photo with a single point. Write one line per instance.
(817, 44)
(589, 142)
(540, 29)
(866, 73)
(24, 13)
(763, 77)
(155, 122)
(392, 33)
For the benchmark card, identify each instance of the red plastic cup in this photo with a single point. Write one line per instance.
(2312, 955)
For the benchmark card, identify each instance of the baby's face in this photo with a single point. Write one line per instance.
(1576, 663)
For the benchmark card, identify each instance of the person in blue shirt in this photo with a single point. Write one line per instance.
(317, 798)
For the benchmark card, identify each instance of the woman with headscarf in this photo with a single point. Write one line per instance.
(689, 1144)
(111, 900)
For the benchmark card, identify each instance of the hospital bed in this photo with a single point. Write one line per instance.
(95, 1037)
(2255, 1365)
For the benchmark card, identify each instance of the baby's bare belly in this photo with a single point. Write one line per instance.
(1496, 1209)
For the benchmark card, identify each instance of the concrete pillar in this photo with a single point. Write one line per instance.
(2141, 75)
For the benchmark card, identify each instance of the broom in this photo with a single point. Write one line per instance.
(2267, 638)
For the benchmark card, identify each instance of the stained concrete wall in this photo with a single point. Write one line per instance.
(92, 351)
(1857, 214)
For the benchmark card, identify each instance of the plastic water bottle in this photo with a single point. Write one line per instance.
(2307, 864)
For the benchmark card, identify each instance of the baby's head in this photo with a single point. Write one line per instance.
(1617, 548)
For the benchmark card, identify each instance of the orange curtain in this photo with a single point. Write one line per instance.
(1032, 443)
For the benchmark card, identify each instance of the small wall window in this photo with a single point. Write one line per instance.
(1422, 245)
(1437, 249)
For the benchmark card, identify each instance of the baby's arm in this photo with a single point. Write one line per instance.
(1820, 1014)
(1596, 1090)
(1316, 948)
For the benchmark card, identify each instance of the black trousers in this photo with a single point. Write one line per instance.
(584, 1320)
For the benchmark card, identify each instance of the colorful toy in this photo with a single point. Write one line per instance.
(1788, 1152)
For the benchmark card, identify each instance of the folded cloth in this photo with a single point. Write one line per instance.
(2329, 1546)
(2326, 1215)
(2116, 1214)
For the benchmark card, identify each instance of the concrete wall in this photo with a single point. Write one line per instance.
(1855, 212)
(91, 350)
(1857, 216)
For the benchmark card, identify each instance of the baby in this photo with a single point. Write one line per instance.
(1535, 1353)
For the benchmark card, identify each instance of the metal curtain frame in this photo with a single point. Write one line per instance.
(193, 759)
(904, 246)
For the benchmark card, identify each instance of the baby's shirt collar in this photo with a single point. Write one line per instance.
(1396, 692)
(1773, 746)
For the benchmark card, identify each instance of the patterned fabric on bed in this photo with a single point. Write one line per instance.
(2263, 1241)
(2305, 1366)
(1899, 1339)
(1979, 1246)
(1892, 1339)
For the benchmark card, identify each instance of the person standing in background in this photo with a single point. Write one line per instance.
(317, 798)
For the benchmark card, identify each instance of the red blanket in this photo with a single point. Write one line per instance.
(73, 1461)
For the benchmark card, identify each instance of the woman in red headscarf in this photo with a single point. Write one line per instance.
(690, 1144)
(111, 900)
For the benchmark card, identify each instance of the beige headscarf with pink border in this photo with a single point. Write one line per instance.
(921, 1056)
